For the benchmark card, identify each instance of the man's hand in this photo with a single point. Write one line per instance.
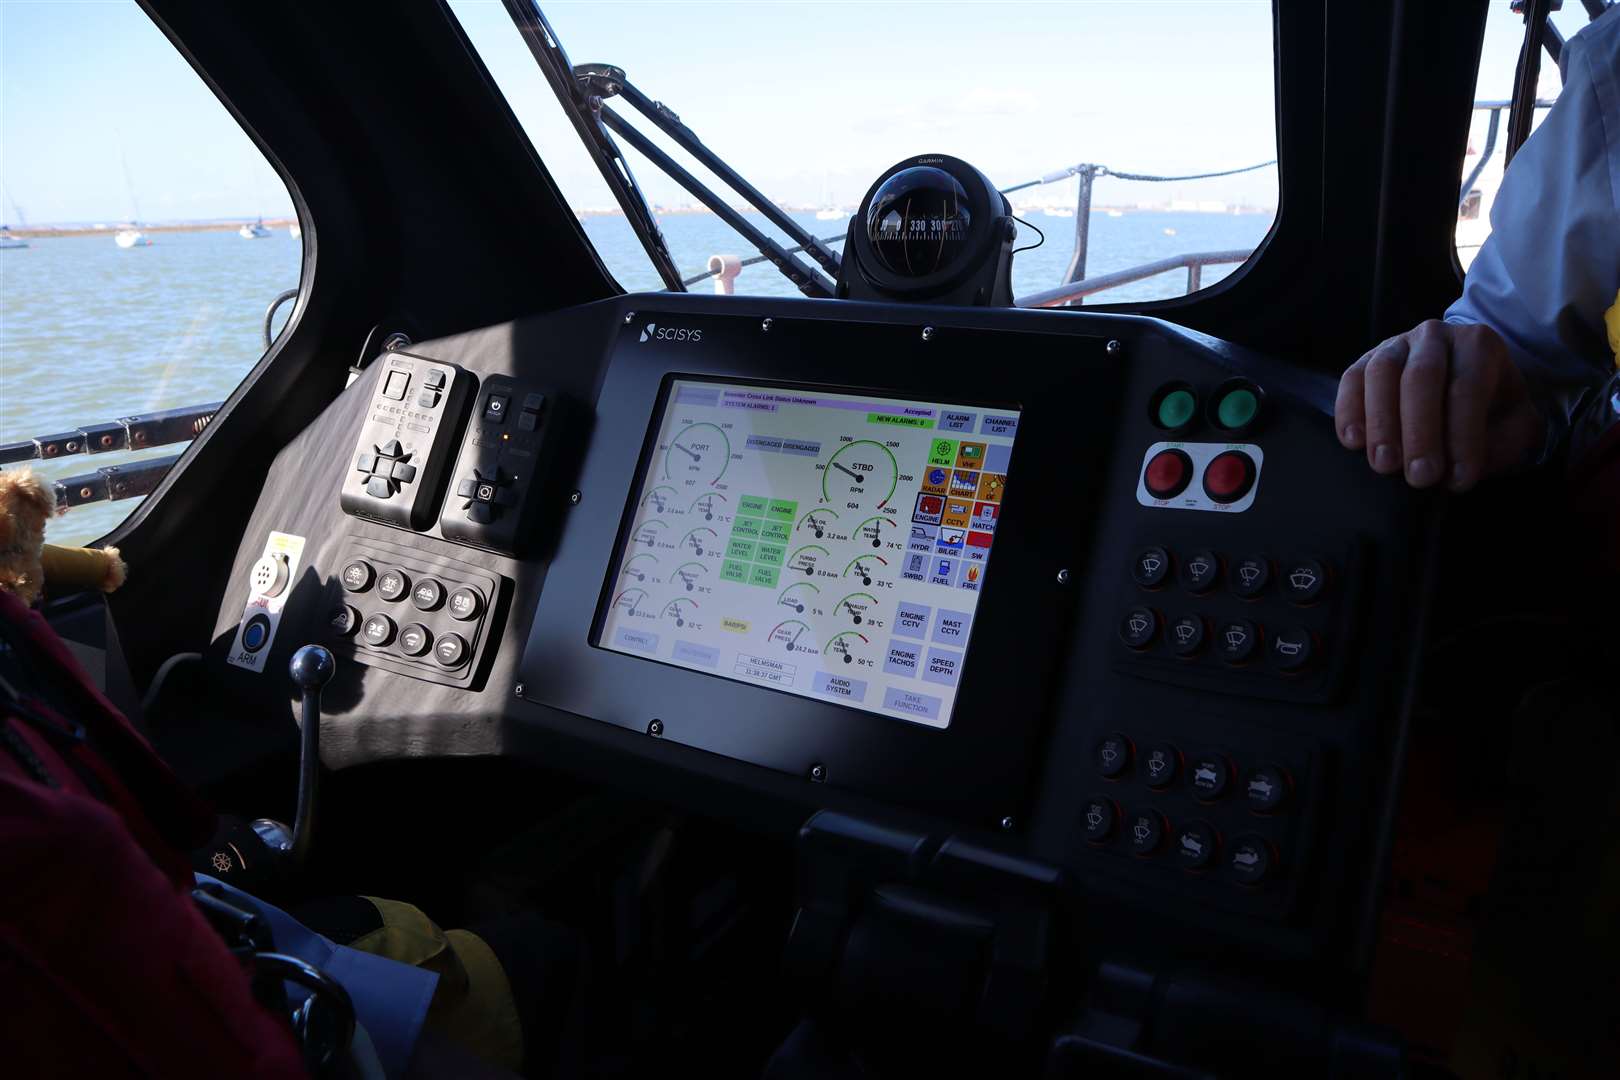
(1442, 402)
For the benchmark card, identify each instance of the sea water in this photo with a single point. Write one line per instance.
(90, 332)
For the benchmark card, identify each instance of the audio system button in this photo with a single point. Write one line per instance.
(1150, 567)
(466, 603)
(427, 595)
(1113, 756)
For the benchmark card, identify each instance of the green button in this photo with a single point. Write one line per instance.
(1236, 409)
(1176, 408)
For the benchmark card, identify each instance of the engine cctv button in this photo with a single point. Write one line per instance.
(1303, 581)
(358, 576)
(344, 620)
(427, 595)
(1250, 575)
(1150, 567)
(1195, 846)
(465, 603)
(1209, 775)
(1200, 571)
(1186, 635)
(1160, 763)
(1291, 648)
(1144, 829)
(1099, 818)
(1168, 474)
(1113, 755)
(393, 584)
(415, 640)
(1229, 476)
(378, 631)
(451, 651)
(1139, 627)
(1250, 860)
(1266, 789)
(1236, 640)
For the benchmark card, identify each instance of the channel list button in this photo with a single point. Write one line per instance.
(839, 686)
(911, 620)
(636, 640)
(919, 706)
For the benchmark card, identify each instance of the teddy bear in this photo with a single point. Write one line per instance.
(27, 562)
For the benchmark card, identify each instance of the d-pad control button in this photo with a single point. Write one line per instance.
(386, 469)
(485, 495)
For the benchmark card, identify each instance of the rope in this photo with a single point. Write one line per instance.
(757, 259)
(1104, 171)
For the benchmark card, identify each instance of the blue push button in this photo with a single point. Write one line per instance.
(256, 633)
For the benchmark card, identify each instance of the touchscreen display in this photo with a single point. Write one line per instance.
(831, 545)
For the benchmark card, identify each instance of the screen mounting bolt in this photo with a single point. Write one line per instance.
(1113, 348)
(928, 333)
(518, 690)
(629, 317)
(1063, 576)
(765, 326)
(656, 728)
(573, 498)
(818, 773)
(1006, 823)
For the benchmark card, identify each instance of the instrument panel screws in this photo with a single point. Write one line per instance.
(928, 333)
(765, 326)
(573, 499)
(656, 728)
(1006, 823)
(518, 690)
(1113, 347)
(629, 317)
(1063, 576)
(818, 774)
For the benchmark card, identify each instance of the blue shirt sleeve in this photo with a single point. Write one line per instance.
(1551, 265)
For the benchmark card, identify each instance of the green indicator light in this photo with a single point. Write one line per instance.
(1237, 408)
(1177, 408)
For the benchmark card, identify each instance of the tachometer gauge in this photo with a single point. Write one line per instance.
(698, 456)
(860, 476)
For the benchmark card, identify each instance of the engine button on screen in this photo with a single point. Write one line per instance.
(829, 545)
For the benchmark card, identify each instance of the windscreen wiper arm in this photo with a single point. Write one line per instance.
(578, 105)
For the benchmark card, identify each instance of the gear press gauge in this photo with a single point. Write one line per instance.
(932, 229)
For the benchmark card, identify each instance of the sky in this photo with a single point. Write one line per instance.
(810, 101)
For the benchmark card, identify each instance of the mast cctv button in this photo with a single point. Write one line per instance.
(1099, 817)
(1236, 640)
(1144, 828)
(1200, 571)
(1112, 755)
(451, 651)
(415, 640)
(1195, 845)
(1266, 788)
(377, 631)
(1250, 576)
(1139, 627)
(358, 575)
(1292, 648)
(465, 603)
(1186, 635)
(1250, 860)
(427, 595)
(393, 585)
(1150, 566)
(1161, 762)
(1303, 581)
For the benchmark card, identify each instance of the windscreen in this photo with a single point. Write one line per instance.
(828, 544)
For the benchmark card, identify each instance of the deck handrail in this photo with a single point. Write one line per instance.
(1193, 261)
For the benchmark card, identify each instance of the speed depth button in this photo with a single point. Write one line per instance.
(1168, 474)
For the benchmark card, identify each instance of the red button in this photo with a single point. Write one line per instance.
(1168, 474)
(1229, 476)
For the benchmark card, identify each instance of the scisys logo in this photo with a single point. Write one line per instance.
(654, 332)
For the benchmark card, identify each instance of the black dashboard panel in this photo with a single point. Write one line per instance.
(1250, 676)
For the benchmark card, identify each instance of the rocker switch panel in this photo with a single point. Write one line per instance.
(397, 470)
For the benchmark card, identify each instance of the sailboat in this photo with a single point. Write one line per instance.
(828, 211)
(253, 231)
(294, 230)
(130, 234)
(9, 242)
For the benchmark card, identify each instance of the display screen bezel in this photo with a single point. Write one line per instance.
(655, 424)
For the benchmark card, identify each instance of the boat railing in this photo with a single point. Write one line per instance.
(1192, 261)
(144, 431)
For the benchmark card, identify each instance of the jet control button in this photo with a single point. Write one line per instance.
(1291, 648)
(1099, 817)
(1236, 640)
(1250, 575)
(495, 408)
(344, 620)
(1112, 755)
(1186, 635)
(415, 640)
(1209, 775)
(1139, 627)
(1229, 476)
(358, 576)
(1150, 567)
(1266, 789)
(1168, 474)
(1144, 828)
(1195, 846)
(1250, 860)
(393, 584)
(1303, 580)
(377, 630)
(451, 651)
(466, 603)
(427, 595)
(1160, 762)
(1200, 571)
(433, 380)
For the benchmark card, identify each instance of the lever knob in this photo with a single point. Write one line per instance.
(312, 667)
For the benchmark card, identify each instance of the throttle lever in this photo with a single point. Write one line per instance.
(311, 669)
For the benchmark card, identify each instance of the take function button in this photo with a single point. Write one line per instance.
(377, 631)
(1168, 474)
(466, 603)
(358, 576)
(1186, 635)
(1235, 405)
(1236, 640)
(427, 595)
(1266, 789)
(393, 584)
(1139, 627)
(1112, 755)
(1200, 571)
(1150, 567)
(1160, 762)
(1250, 575)
(1209, 775)
(1099, 818)
(1229, 476)
(1196, 845)
(1144, 828)
(1250, 860)
(1303, 581)
(1173, 406)
(1291, 648)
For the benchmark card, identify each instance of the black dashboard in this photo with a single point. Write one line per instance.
(1099, 591)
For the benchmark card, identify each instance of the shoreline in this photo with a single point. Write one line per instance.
(48, 231)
